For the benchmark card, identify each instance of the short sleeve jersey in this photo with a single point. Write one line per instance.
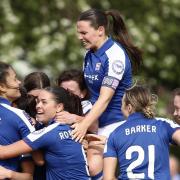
(86, 106)
(109, 66)
(141, 146)
(14, 125)
(65, 158)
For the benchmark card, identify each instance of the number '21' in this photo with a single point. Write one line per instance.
(139, 160)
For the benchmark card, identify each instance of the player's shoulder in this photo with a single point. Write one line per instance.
(42, 132)
(166, 121)
(119, 129)
(10, 108)
(13, 111)
(115, 51)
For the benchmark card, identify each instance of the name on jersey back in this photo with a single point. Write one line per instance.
(140, 129)
(65, 135)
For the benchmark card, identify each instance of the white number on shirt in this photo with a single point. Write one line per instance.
(139, 161)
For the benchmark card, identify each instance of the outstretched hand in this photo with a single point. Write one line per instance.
(79, 131)
(65, 117)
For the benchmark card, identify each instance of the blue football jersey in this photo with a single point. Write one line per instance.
(141, 146)
(109, 66)
(14, 125)
(65, 158)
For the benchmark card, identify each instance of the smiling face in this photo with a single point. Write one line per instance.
(47, 107)
(90, 37)
(11, 89)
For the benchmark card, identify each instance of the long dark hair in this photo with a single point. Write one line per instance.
(36, 80)
(117, 30)
(70, 101)
(27, 102)
(74, 75)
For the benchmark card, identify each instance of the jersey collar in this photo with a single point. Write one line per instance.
(104, 47)
(4, 101)
(51, 122)
(135, 116)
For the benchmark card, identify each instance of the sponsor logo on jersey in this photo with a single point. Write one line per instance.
(91, 77)
(117, 67)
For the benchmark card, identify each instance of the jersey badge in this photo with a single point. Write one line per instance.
(117, 67)
(98, 66)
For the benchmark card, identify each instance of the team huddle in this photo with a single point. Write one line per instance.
(91, 121)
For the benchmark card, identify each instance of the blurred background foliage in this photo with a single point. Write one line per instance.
(41, 35)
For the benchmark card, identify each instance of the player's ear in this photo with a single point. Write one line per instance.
(130, 108)
(59, 108)
(2, 88)
(101, 30)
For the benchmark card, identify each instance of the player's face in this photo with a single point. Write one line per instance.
(73, 87)
(11, 89)
(89, 36)
(46, 107)
(177, 109)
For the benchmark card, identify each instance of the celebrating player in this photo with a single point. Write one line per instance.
(141, 143)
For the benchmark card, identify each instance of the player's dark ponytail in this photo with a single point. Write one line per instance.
(117, 30)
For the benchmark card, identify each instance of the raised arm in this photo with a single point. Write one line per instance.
(14, 150)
